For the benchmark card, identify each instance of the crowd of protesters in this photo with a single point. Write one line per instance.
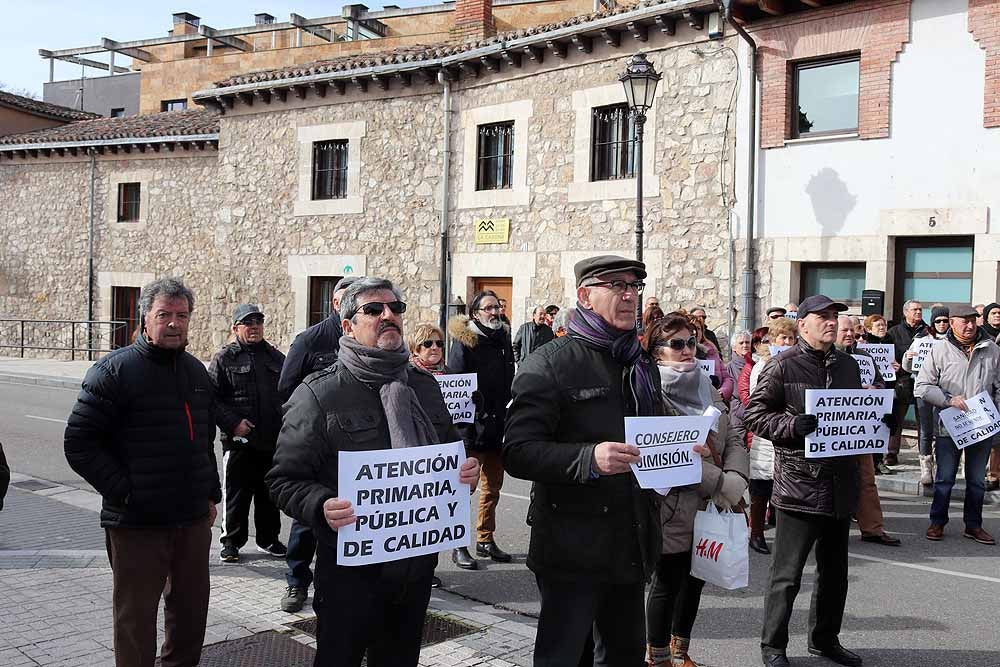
(550, 407)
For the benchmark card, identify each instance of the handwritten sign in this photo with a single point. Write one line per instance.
(921, 347)
(666, 449)
(978, 424)
(850, 422)
(867, 368)
(707, 366)
(884, 355)
(457, 392)
(408, 502)
(778, 349)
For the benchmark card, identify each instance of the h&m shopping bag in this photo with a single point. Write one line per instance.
(719, 553)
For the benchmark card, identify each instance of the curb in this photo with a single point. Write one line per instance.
(41, 380)
(910, 485)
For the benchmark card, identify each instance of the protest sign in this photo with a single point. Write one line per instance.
(921, 347)
(457, 392)
(850, 422)
(884, 355)
(778, 349)
(707, 366)
(867, 368)
(979, 423)
(408, 502)
(666, 449)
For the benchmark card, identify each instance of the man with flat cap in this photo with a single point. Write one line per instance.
(814, 498)
(595, 535)
(313, 350)
(245, 374)
(774, 312)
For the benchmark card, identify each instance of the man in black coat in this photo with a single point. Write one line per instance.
(371, 399)
(313, 350)
(531, 335)
(814, 498)
(902, 335)
(248, 410)
(142, 434)
(481, 345)
(595, 535)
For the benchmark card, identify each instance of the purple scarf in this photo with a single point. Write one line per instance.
(624, 347)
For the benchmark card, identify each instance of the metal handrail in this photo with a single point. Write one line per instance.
(28, 336)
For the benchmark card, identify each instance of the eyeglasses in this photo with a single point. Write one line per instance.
(620, 286)
(491, 309)
(679, 344)
(941, 320)
(376, 308)
(428, 344)
(252, 321)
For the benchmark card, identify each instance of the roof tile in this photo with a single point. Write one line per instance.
(46, 109)
(165, 124)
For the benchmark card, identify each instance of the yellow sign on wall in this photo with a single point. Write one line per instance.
(493, 230)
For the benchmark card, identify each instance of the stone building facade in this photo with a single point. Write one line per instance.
(238, 225)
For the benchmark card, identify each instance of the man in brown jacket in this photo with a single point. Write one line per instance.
(814, 497)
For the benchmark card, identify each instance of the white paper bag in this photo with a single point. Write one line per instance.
(720, 551)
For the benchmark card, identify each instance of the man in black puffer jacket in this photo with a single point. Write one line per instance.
(814, 497)
(245, 375)
(481, 345)
(142, 434)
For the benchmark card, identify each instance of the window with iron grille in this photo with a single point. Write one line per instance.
(330, 169)
(495, 156)
(612, 151)
(128, 202)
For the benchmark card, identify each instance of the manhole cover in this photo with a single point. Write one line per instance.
(261, 650)
(33, 485)
(437, 628)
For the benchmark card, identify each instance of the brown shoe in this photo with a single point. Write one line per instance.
(979, 535)
(935, 532)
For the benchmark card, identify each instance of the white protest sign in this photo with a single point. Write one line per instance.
(457, 392)
(850, 422)
(666, 449)
(778, 349)
(979, 423)
(921, 347)
(867, 368)
(408, 502)
(884, 355)
(707, 366)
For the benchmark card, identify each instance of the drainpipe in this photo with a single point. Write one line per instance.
(90, 257)
(749, 283)
(445, 173)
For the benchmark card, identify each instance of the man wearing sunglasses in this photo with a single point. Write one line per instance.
(595, 536)
(371, 399)
(248, 411)
(532, 335)
(312, 350)
(481, 345)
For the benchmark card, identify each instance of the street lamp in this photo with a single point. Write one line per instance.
(640, 81)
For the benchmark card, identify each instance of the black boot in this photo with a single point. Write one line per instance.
(462, 558)
(491, 550)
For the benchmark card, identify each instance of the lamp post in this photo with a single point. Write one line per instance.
(640, 81)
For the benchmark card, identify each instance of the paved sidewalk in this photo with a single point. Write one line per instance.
(56, 585)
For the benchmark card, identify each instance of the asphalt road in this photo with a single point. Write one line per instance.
(922, 604)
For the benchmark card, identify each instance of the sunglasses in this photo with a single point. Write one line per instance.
(252, 321)
(679, 344)
(428, 344)
(943, 320)
(375, 308)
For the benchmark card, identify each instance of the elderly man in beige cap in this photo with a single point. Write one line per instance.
(595, 535)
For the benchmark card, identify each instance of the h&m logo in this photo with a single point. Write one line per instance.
(706, 549)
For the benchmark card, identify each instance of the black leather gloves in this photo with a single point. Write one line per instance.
(805, 424)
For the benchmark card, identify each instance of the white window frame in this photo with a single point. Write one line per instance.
(520, 112)
(354, 132)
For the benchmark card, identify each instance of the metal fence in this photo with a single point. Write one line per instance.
(84, 339)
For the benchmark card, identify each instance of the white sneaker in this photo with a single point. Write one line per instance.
(927, 469)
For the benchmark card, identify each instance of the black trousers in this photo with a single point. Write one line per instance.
(243, 481)
(795, 535)
(571, 609)
(674, 598)
(373, 608)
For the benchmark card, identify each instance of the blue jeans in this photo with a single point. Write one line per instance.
(976, 457)
(928, 425)
(301, 549)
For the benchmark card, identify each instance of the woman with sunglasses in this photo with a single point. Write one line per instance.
(426, 343)
(675, 595)
(925, 411)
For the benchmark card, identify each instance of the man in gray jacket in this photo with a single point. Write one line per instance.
(532, 335)
(966, 363)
